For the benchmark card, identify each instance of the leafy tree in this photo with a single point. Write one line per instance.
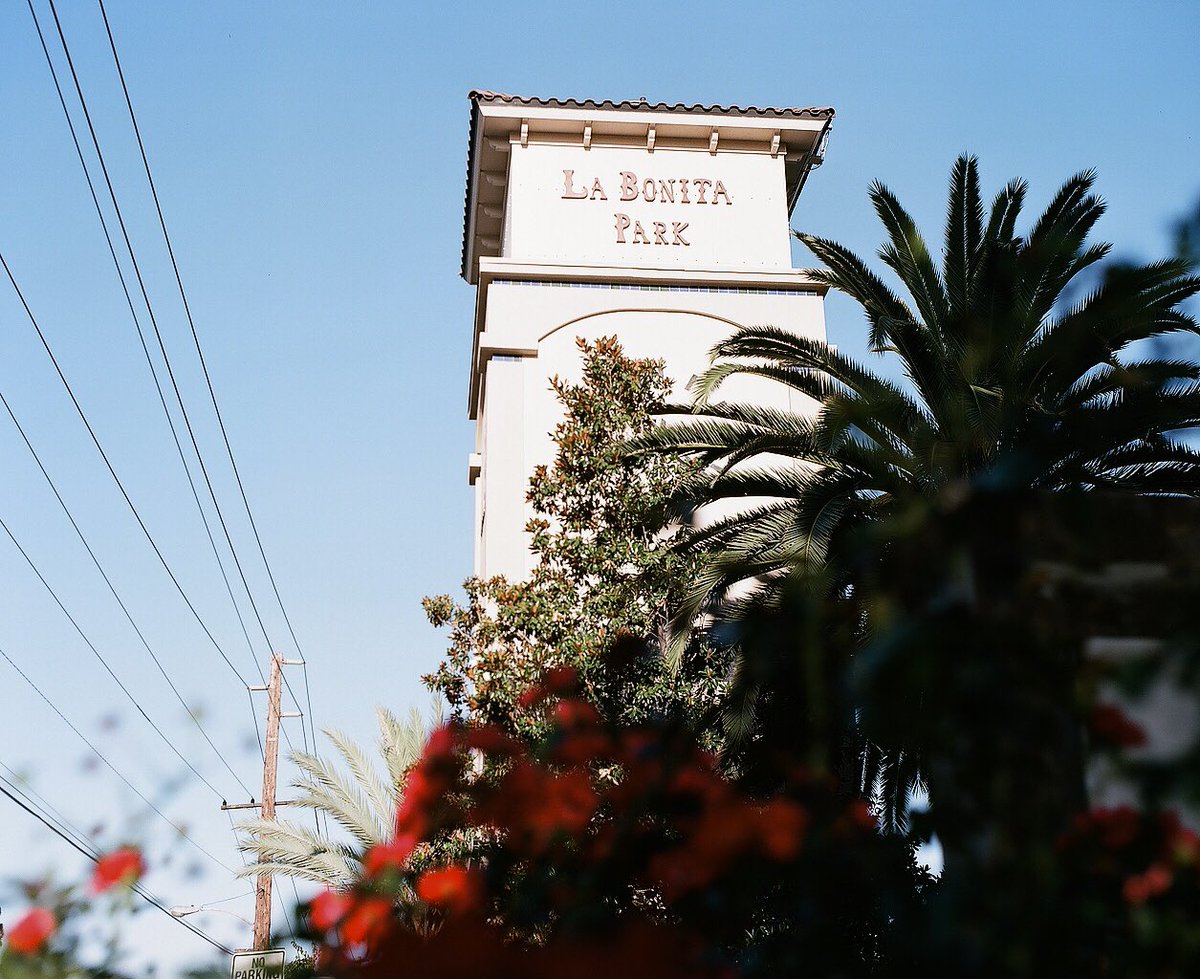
(606, 575)
(993, 362)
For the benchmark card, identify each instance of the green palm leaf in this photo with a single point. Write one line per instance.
(998, 362)
(363, 804)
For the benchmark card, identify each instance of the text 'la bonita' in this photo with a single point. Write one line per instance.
(674, 190)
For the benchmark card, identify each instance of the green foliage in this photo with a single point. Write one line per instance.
(995, 361)
(302, 966)
(986, 606)
(362, 805)
(606, 575)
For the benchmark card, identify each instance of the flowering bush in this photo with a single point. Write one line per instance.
(619, 845)
(121, 867)
(31, 932)
(1135, 876)
(42, 941)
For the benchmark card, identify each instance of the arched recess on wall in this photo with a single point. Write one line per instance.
(639, 309)
(681, 338)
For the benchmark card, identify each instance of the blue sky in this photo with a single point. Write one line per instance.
(311, 160)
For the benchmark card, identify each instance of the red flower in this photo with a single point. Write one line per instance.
(678, 872)
(724, 831)
(491, 740)
(420, 789)
(31, 932)
(1141, 887)
(454, 889)
(782, 825)
(705, 785)
(580, 748)
(327, 909)
(575, 713)
(532, 696)
(391, 855)
(368, 921)
(562, 679)
(536, 805)
(121, 867)
(423, 789)
(440, 744)
(1116, 827)
(567, 805)
(861, 816)
(1111, 727)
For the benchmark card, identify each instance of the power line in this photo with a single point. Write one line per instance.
(111, 767)
(150, 308)
(159, 338)
(166, 360)
(226, 900)
(157, 332)
(62, 826)
(95, 858)
(22, 787)
(103, 662)
(113, 590)
(145, 348)
(46, 806)
(145, 298)
(121, 486)
(316, 813)
(203, 363)
(257, 732)
(140, 332)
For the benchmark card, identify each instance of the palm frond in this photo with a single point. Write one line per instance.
(363, 805)
(286, 849)
(964, 234)
(908, 256)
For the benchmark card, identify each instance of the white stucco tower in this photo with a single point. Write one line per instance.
(666, 225)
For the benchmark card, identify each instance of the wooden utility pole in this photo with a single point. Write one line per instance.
(262, 888)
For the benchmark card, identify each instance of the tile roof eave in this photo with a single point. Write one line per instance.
(479, 96)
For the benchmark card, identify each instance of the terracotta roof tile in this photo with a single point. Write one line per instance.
(808, 112)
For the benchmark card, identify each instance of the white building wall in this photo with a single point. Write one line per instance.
(678, 324)
(730, 208)
(666, 233)
(501, 547)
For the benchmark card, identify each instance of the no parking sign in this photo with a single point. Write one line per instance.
(267, 964)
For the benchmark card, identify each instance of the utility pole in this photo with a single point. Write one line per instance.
(262, 888)
(262, 885)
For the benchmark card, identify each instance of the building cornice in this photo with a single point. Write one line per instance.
(504, 270)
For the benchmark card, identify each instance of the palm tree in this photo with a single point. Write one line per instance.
(1000, 366)
(363, 805)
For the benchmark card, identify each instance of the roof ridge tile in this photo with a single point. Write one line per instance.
(644, 105)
